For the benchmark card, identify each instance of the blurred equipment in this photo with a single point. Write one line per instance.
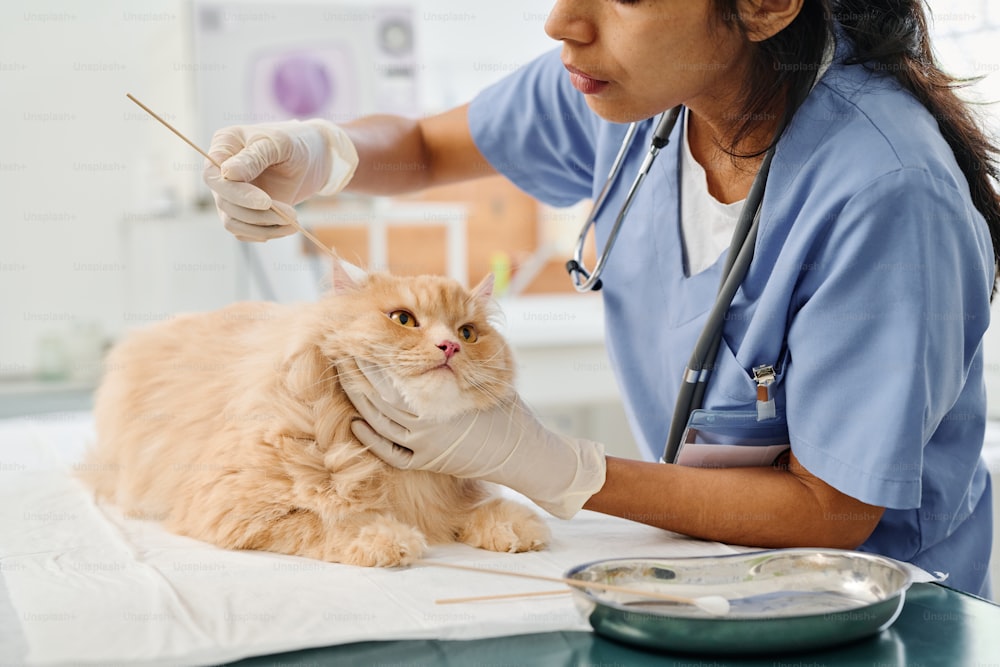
(257, 62)
(260, 62)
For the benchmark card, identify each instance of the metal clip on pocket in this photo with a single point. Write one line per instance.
(765, 404)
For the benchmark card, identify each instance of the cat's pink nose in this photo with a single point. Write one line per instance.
(449, 347)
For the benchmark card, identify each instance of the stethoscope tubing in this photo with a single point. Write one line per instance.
(741, 248)
(591, 280)
(706, 349)
(738, 259)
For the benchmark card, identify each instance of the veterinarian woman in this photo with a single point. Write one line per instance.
(861, 315)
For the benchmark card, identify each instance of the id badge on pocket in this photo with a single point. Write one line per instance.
(732, 439)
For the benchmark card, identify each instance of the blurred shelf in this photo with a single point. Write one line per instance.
(32, 397)
(553, 320)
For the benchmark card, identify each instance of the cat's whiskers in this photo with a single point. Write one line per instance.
(475, 374)
(485, 363)
(326, 377)
(492, 367)
(492, 389)
(333, 373)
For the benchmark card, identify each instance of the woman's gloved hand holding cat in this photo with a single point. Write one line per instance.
(506, 445)
(279, 164)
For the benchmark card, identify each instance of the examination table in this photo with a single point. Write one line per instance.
(81, 583)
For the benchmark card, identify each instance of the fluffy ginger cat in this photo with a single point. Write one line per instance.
(232, 427)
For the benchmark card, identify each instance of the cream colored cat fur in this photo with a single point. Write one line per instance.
(232, 427)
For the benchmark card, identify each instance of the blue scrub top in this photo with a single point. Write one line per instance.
(869, 292)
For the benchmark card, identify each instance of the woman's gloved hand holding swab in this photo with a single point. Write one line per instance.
(275, 164)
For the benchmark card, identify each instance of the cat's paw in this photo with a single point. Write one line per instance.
(505, 525)
(385, 543)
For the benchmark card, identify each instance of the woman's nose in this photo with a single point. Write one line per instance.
(569, 21)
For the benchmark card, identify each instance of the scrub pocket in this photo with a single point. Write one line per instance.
(732, 439)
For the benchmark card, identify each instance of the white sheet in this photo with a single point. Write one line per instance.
(85, 584)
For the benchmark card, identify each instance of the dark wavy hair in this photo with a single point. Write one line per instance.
(890, 36)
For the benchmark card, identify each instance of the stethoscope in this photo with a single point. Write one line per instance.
(741, 249)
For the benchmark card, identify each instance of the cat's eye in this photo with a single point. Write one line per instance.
(404, 317)
(468, 333)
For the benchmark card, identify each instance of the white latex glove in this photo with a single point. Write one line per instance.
(505, 445)
(275, 163)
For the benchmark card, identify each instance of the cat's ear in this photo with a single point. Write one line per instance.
(483, 292)
(347, 277)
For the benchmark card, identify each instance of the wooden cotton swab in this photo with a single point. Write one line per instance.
(283, 216)
(504, 596)
(715, 605)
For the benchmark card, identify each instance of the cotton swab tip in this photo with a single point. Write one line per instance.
(716, 605)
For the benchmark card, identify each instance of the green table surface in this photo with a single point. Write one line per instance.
(937, 626)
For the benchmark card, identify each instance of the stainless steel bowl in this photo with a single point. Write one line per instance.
(780, 600)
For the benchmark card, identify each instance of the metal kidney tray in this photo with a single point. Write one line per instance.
(780, 600)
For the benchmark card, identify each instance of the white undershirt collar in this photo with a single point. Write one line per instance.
(706, 223)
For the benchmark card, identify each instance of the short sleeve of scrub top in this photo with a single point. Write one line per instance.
(869, 292)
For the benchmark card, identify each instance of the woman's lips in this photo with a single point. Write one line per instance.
(585, 83)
